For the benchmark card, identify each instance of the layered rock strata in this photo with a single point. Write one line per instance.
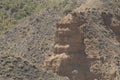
(87, 44)
(69, 58)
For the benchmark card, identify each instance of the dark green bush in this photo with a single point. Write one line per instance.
(11, 11)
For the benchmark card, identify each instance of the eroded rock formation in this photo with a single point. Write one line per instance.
(69, 58)
(87, 44)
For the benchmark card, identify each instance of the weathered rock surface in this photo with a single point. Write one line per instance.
(87, 43)
(33, 38)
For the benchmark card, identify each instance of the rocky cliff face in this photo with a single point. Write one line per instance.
(87, 44)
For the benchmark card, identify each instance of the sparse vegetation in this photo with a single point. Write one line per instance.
(16, 68)
(15, 12)
(11, 11)
(27, 30)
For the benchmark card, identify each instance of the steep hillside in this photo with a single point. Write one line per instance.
(32, 36)
(28, 28)
(12, 11)
(87, 43)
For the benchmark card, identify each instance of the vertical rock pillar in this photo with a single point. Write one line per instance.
(68, 37)
(69, 58)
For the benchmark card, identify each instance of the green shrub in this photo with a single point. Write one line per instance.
(11, 11)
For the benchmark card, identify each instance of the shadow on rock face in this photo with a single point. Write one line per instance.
(76, 67)
(69, 58)
(74, 57)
